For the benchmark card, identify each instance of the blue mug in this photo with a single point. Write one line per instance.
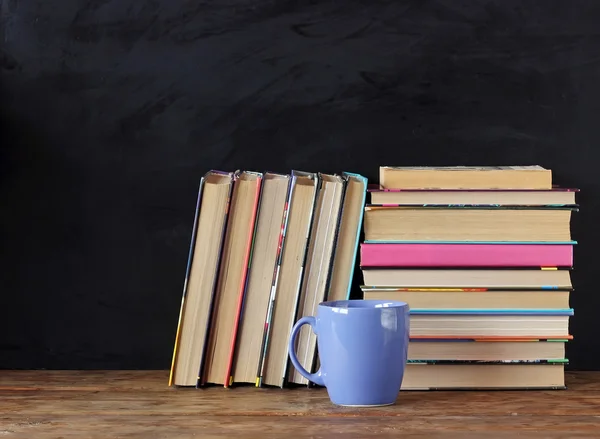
(363, 348)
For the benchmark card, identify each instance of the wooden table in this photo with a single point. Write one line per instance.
(128, 404)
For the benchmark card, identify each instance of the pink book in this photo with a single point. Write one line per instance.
(392, 254)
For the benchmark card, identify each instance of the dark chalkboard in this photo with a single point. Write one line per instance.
(113, 109)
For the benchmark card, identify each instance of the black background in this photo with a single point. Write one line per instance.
(113, 109)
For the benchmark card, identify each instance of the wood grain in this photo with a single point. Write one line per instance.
(138, 404)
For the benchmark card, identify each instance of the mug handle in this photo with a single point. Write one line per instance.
(316, 378)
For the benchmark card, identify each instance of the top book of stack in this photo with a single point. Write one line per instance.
(465, 177)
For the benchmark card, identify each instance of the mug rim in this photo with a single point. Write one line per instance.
(335, 304)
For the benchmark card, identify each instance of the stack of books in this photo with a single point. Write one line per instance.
(266, 249)
(483, 257)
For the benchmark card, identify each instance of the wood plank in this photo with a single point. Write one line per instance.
(156, 380)
(303, 403)
(254, 426)
(138, 404)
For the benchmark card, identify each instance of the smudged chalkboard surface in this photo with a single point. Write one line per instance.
(112, 110)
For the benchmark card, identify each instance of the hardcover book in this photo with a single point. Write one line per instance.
(466, 177)
(348, 237)
(195, 316)
(466, 255)
(262, 277)
(231, 285)
(500, 197)
(301, 210)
